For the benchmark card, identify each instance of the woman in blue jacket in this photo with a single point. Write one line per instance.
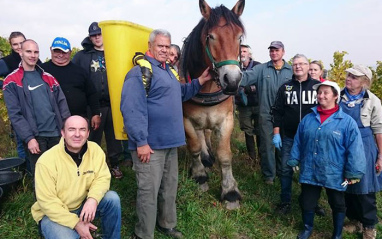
(328, 147)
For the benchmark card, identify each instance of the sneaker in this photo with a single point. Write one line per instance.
(171, 232)
(369, 233)
(116, 172)
(283, 208)
(319, 211)
(353, 226)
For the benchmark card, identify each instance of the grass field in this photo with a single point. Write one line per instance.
(200, 215)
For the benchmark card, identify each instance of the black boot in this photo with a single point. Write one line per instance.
(250, 144)
(307, 218)
(338, 223)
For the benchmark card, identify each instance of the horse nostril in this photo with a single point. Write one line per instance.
(226, 80)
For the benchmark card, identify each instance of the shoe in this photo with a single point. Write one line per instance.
(307, 219)
(353, 226)
(369, 233)
(319, 211)
(116, 172)
(283, 208)
(171, 232)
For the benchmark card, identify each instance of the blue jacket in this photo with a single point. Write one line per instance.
(156, 120)
(328, 152)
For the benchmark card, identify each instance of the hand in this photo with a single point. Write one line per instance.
(206, 76)
(33, 146)
(144, 153)
(88, 210)
(378, 166)
(96, 121)
(350, 181)
(294, 164)
(277, 141)
(83, 229)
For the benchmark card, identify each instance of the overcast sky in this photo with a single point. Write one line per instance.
(316, 28)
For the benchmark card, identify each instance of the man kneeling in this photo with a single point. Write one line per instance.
(72, 182)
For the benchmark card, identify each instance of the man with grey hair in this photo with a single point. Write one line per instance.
(294, 100)
(153, 120)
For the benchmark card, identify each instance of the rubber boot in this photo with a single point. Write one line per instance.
(307, 218)
(250, 144)
(338, 223)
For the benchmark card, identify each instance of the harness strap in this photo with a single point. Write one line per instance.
(210, 99)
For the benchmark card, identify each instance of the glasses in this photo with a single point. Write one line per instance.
(300, 64)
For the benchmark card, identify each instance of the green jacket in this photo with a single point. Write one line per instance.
(267, 81)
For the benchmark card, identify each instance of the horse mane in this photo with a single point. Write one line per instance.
(192, 57)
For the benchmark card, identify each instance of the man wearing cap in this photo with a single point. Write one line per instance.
(294, 100)
(249, 112)
(92, 59)
(35, 102)
(268, 77)
(74, 81)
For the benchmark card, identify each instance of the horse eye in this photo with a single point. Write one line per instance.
(210, 36)
(241, 38)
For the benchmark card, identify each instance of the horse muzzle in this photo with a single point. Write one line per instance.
(229, 78)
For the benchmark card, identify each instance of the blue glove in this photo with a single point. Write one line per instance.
(277, 141)
(294, 164)
(243, 96)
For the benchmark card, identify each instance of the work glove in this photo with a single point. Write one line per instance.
(277, 141)
(350, 181)
(243, 96)
(294, 164)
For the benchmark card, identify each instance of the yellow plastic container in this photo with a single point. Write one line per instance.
(121, 39)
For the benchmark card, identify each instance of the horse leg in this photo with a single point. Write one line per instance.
(208, 159)
(230, 192)
(198, 172)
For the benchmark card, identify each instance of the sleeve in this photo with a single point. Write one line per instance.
(101, 182)
(251, 77)
(277, 110)
(355, 166)
(19, 123)
(376, 116)
(134, 109)
(190, 89)
(4, 71)
(295, 153)
(48, 200)
(91, 95)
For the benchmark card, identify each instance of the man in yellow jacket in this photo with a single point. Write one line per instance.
(72, 187)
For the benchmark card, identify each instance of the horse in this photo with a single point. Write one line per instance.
(214, 43)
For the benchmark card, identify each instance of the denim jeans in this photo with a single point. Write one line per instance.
(286, 171)
(109, 209)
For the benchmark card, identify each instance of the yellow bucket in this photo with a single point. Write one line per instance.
(121, 39)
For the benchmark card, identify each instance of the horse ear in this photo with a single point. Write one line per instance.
(238, 8)
(205, 9)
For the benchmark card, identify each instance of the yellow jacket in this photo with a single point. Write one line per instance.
(62, 187)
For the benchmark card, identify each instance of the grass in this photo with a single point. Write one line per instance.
(200, 215)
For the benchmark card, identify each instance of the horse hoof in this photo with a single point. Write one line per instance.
(232, 205)
(204, 187)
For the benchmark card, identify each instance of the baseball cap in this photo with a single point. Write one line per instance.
(360, 70)
(332, 84)
(61, 43)
(276, 44)
(94, 29)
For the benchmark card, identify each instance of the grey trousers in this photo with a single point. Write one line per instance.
(157, 183)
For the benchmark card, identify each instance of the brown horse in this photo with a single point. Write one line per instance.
(214, 43)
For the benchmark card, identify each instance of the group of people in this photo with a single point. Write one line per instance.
(300, 120)
(334, 136)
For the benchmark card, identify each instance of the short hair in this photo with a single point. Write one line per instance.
(14, 35)
(248, 47)
(157, 32)
(177, 48)
(300, 56)
(86, 119)
(319, 63)
(28, 40)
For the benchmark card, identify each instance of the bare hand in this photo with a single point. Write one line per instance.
(33, 146)
(96, 121)
(378, 166)
(144, 153)
(206, 76)
(88, 210)
(84, 228)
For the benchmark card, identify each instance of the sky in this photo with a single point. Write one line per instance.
(315, 28)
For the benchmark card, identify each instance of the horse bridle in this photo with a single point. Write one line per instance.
(216, 65)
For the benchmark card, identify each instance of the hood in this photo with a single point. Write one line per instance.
(87, 44)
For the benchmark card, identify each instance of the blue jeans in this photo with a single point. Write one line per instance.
(109, 209)
(286, 171)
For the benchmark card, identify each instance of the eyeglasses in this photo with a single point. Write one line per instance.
(300, 64)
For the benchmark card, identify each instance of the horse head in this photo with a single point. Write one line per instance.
(221, 38)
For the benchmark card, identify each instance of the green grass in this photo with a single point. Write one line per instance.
(200, 215)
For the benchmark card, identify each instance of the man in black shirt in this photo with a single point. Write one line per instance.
(74, 81)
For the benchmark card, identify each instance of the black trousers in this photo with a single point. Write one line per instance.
(362, 207)
(310, 194)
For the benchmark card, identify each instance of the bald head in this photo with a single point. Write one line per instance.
(75, 132)
(29, 54)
